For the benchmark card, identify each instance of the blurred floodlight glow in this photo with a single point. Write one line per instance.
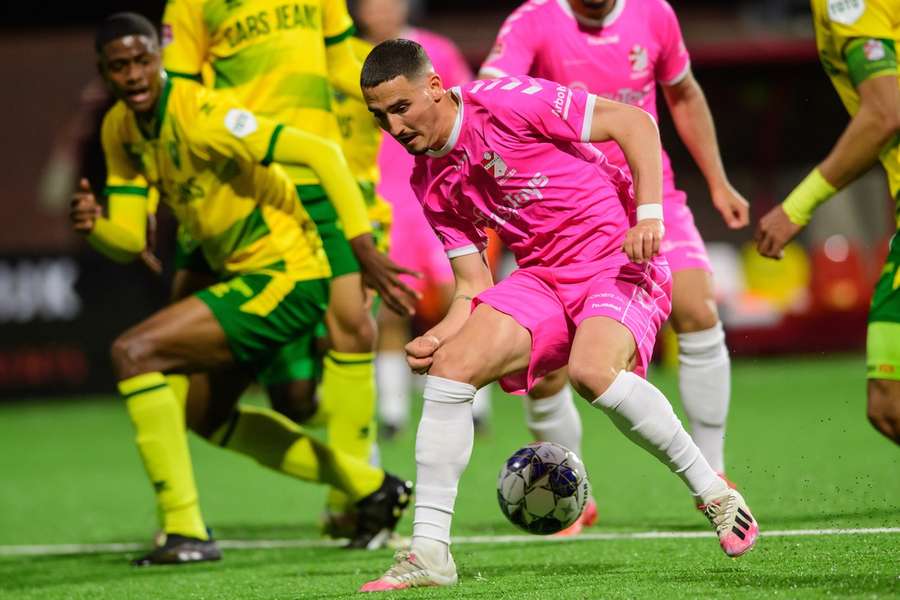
(836, 248)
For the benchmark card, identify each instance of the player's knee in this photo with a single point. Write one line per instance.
(549, 385)
(131, 355)
(295, 399)
(694, 314)
(589, 378)
(883, 409)
(451, 361)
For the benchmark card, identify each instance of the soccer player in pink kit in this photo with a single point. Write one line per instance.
(590, 291)
(413, 244)
(620, 49)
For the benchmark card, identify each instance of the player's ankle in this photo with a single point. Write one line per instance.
(716, 489)
(431, 551)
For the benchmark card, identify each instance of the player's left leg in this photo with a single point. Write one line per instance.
(883, 348)
(704, 366)
(601, 362)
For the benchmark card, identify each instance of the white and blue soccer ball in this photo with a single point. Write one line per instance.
(542, 488)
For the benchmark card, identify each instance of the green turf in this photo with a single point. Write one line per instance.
(799, 446)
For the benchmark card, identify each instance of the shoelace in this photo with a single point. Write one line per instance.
(720, 513)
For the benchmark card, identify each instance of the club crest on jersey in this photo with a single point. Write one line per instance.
(874, 49)
(239, 122)
(639, 61)
(846, 12)
(496, 166)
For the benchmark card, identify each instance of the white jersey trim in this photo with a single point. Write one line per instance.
(680, 77)
(491, 72)
(588, 118)
(604, 22)
(454, 133)
(462, 251)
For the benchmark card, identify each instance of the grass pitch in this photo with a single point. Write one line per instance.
(799, 447)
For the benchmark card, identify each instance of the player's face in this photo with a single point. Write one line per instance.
(131, 67)
(409, 110)
(382, 19)
(592, 9)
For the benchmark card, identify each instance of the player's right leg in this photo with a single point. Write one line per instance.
(883, 349)
(490, 345)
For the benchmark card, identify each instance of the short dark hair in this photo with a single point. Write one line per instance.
(393, 58)
(121, 25)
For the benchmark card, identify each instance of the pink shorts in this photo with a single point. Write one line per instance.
(415, 246)
(682, 245)
(551, 302)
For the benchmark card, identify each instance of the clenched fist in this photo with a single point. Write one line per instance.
(642, 241)
(420, 351)
(84, 210)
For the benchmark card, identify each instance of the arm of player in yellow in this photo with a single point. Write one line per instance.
(295, 147)
(695, 126)
(344, 68)
(122, 235)
(185, 50)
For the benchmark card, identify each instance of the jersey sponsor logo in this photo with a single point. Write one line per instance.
(846, 12)
(639, 60)
(279, 18)
(874, 49)
(240, 123)
(562, 102)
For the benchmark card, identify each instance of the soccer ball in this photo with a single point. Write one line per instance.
(542, 488)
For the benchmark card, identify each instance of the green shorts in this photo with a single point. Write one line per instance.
(883, 336)
(264, 312)
(324, 215)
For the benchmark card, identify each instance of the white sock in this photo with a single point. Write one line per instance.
(443, 448)
(643, 414)
(704, 380)
(393, 377)
(555, 419)
(481, 406)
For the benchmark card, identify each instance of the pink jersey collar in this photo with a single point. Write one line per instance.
(605, 22)
(454, 133)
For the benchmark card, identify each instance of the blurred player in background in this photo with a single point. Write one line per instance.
(282, 62)
(413, 244)
(209, 159)
(857, 43)
(620, 50)
(590, 291)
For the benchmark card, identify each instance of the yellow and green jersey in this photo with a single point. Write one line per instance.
(857, 40)
(209, 159)
(360, 142)
(269, 53)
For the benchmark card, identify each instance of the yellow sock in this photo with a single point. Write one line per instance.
(162, 442)
(276, 442)
(179, 385)
(347, 397)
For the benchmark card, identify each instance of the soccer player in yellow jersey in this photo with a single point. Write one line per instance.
(209, 159)
(281, 60)
(857, 42)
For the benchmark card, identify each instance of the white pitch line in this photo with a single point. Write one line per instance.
(64, 549)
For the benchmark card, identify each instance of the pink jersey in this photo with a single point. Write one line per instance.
(516, 162)
(638, 44)
(394, 162)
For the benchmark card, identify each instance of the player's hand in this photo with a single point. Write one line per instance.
(420, 351)
(642, 241)
(733, 207)
(773, 233)
(148, 254)
(382, 275)
(83, 209)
